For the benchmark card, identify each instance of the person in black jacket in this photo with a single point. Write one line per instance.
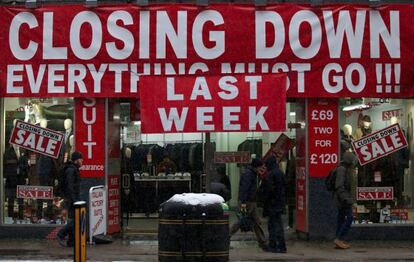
(343, 198)
(275, 205)
(71, 194)
(247, 198)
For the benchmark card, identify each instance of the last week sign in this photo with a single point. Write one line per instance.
(379, 144)
(231, 103)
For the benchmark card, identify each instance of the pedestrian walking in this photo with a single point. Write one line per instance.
(247, 198)
(71, 194)
(343, 199)
(275, 196)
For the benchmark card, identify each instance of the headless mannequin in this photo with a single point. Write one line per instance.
(45, 171)
(15, 173)
(346, 139)
(401, 159)
(67, 144)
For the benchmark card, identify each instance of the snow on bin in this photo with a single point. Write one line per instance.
(193, 227)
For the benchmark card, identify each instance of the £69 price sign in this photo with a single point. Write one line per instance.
(322, 136)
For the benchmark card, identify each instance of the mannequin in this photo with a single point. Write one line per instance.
(33, 113)
(401, 159)
(365, 128)
(346, 138)
(67, 146)
(15, 170)
(46, 172)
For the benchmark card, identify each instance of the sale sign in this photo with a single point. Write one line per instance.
(34, 192)
(90, 135)
(238, 103)
(342, 50)
(375, 193)
(387, 115)
(322, 137)
(37, 139)
(242, 157)
(281, 147)
(379, 144)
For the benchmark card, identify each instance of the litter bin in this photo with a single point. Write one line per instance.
(193, 227)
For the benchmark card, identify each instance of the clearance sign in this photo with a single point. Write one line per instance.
(328, 51)
(379, 144)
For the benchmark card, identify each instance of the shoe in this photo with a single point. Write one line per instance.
(62, 242)
(339, 244)
(277, 250)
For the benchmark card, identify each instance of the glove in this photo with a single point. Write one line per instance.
(243, 209)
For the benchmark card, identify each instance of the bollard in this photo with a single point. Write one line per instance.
(80, 231)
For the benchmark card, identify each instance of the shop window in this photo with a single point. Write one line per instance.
(383, 188)
(30, 178)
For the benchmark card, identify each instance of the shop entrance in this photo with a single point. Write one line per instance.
(154, 167)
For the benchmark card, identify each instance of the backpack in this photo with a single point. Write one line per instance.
(60, 188)
(331, 180)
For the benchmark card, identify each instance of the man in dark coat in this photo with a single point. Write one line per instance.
(247, 198)
(71, 194)
(343, 198)
(275, 205)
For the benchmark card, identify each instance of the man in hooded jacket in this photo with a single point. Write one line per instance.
(71, 194)
(343, 198)
(275, 205)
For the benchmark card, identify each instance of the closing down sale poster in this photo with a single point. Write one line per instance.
(379, 144)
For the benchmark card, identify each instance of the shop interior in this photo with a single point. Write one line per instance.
(157, 166)
(361, 117)
(26, 168)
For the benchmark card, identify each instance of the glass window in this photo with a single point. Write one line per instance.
(27, 175)
(383, 188)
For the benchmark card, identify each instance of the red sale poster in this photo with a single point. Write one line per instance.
(323, 144)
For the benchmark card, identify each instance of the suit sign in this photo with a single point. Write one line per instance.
(379, 144)
(35, 138)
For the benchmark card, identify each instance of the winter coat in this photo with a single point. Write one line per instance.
(343, 196)
(220, 189)
(72, 184)
(276, 189)
(248, 185)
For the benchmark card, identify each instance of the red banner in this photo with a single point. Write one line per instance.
(387, 115)
(90, 135)
(329, 51)
(35, 138)
(114, 204)
(213, 103)
(379, 144)
(323, 141)
(375, 193)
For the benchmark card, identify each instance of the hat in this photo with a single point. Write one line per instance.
(256, 162)
(76, 155)
(366, 118)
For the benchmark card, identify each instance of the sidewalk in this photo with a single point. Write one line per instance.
(241, 250)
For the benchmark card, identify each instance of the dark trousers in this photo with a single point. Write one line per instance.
(276, 232)
(69, 228)
(344, 222)
(257, 228)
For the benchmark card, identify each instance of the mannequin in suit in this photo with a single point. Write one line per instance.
(46, 171)
(401, 160)
(365, 129)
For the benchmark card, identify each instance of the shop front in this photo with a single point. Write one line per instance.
(169, 98)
